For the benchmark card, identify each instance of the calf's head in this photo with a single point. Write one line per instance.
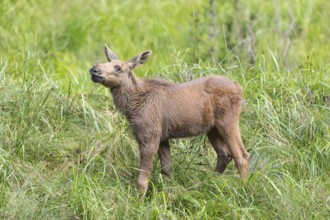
(116, 73)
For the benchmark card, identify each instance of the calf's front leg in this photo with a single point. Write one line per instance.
(147, 153)
(165, 158)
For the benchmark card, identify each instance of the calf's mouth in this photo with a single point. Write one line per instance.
(97, 78)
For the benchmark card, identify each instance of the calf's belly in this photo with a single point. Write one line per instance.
(188, 130)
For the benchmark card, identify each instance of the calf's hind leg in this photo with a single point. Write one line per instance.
(232, 137)
(223, 154)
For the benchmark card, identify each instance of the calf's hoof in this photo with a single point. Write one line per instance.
(142, 185)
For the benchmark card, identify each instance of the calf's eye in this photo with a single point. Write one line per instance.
(118, 68)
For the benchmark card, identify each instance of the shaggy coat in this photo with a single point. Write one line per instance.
(159, 110)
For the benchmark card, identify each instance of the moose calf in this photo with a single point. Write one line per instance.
(158, 110)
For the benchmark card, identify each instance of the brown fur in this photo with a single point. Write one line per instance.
(158, 110)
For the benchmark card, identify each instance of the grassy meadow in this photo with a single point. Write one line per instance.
(67, 153)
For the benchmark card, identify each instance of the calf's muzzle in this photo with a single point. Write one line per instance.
(95, 72)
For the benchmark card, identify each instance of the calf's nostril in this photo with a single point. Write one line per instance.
(94, 70)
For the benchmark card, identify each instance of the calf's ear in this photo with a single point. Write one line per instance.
(139, 60)
(109, 54)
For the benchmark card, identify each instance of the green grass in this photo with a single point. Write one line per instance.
(67, 153)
